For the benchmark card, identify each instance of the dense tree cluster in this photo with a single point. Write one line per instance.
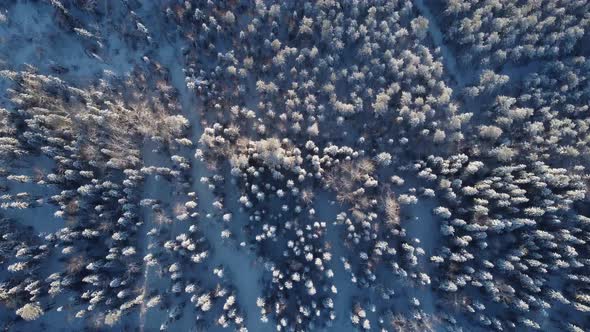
(498, 32)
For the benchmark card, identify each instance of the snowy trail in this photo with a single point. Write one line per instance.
(450, 62)
(346, 289)
(242, 269)
(153, 189)
(425, 229)
(145, 241)
(423, 225)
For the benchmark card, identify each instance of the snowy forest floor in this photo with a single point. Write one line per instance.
(242, 268)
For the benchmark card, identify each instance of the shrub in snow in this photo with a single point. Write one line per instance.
(30, 311)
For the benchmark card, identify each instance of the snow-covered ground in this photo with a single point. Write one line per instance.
(31, 34)
(158, 189)
(327, 210)
(243, 270)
